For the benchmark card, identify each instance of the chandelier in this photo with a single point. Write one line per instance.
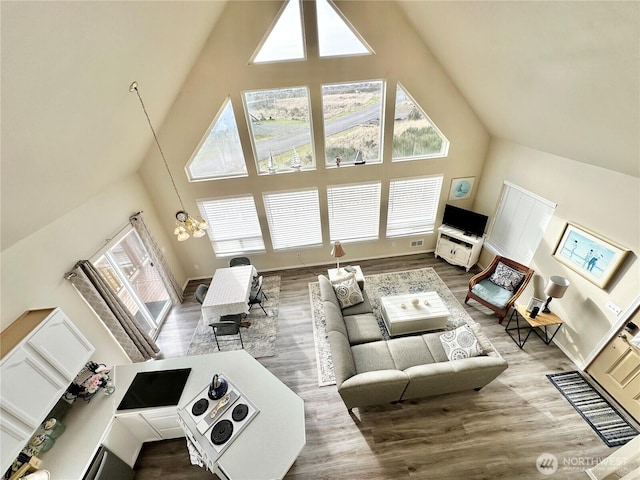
(186, 225)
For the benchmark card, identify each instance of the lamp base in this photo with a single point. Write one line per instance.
(545, 309)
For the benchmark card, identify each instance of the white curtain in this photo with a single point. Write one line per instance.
(159, 262)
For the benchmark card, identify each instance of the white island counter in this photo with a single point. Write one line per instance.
(265, 449)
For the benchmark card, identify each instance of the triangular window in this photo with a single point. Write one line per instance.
(285, 40)
(335, 36)
(219, 154)
(414, 134)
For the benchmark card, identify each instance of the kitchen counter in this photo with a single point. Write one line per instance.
(266, 448)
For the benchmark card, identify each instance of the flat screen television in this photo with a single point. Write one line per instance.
(471, 223)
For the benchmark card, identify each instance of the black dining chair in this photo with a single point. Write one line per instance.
(201, 292)
(239, 261)
(257, 296)
(227, 325)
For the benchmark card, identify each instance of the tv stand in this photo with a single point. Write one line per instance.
(458, 248)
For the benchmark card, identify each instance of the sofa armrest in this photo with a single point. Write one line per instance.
(373, 388)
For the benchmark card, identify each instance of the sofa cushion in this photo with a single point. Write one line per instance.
(333, 318)
(506, 277)
(369, 357)
(347, 291)
(460, 343)
(364, 307)
(362, 328)
(343, 364)
(492, 293)
(410, 351)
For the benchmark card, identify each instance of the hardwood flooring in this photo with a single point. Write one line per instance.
(497, 433)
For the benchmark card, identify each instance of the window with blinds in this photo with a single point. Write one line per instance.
(294, 218)
(354, 212)
(413, 203)
(233, 225)
(519, 223)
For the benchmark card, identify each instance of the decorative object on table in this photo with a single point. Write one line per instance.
(40, 443)
(535, 302)
(338, 160)
(592, 256)
(461, 188)
(53, 428)
(186, 225)
(295, 160)
(271, 164)
(218, 387)
(337, 251)
(556, 286)
(415, 302)
(89, 381)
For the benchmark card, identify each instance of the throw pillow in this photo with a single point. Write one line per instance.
(348, 291)
(506, 277)
(460, 343)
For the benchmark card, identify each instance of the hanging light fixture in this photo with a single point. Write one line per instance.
(186, 225)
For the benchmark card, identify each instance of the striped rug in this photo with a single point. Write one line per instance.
(612, 428)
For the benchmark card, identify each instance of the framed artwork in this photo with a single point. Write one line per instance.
(592, 256)
(535, 302)
(461, 188)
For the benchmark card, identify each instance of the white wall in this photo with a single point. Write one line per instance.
(33, 269)
(604, 201)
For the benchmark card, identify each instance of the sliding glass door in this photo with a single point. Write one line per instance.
(128, 269)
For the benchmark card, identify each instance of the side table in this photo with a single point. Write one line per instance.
(542, 321)
(337, 273)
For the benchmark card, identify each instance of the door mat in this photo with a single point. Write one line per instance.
(605, 420)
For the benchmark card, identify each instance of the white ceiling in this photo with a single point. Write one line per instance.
(562, 77)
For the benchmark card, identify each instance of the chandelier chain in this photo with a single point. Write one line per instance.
(144, 109)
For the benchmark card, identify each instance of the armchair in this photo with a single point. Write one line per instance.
(499, 285)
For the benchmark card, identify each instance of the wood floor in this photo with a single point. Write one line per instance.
(497, 433)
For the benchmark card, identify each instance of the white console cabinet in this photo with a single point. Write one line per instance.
(42, 351)
(457, 248)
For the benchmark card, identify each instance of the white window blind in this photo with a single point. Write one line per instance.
(519, 223)
(413, 204)
(294, 218)
(233, 225)
(354, 212)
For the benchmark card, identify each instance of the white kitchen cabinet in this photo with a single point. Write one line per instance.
(42, 352)
(152, 424)
(457, 248)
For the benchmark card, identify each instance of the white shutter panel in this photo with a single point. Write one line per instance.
(233, 225)
(519, 223)
(413, 204)
(354, 212)
(294, 218)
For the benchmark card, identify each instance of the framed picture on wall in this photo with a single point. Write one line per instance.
(591, 255)
(461, 188)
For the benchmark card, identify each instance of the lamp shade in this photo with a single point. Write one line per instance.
(337, 251)
(556, 286)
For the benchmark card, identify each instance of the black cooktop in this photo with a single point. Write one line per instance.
(155, 389)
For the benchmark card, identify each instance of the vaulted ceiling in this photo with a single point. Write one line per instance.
(561, 77)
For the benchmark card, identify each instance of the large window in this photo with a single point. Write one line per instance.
(280, 128)
(352, 117)
(414, 135)
(520, 221)
(354, 212)
(219, 154)
(413, 203)
(233, 225)
(294, 218)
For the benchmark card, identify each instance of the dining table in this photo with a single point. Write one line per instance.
(228, 292)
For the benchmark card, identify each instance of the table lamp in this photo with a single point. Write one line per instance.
(556, 286)
(337, 251)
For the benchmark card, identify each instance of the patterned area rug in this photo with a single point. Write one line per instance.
(259, 339)
(610, 426)
(396, 283)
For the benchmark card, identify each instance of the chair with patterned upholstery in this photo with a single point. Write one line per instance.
(499, 285)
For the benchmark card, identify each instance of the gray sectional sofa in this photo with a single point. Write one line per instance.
(370, 370)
